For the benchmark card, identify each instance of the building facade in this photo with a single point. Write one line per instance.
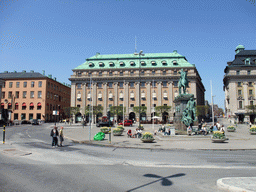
(115, 80)
(240, 84)
(31, 95)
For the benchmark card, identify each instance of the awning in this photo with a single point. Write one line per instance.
(31, 105)
(9, 104)
(23, 104)
(39, 104)
(16, 104)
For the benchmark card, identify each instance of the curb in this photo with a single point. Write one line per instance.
(133, 147)
(231, 188)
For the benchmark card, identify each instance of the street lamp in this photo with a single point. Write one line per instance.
(140, 54)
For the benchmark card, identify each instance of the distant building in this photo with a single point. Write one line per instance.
(240, 84)
(116, 79)
(31, 95)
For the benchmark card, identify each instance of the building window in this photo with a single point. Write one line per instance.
(23, 116)
(121, 85)
(247, 61)
(40, 84)
(24, 106)
(30, 116)
(3, 95)
(164, 83)
(17, 84)
(175, 83)
(16, 116)
(143, 105)
(240, 105)
(31, 106)
(16, 107)
(238, 72)
(32, 84)
(100, 73)
(9, 106)
(154, 105)
(10, 84)
(154, 84)
(132, 105)
(24, 94)
(132, 84)
(248, 72)
(110, 73)
(175, 72)
(32, 94)
(251, 102)
(239, 92)
(250, 84)
(10, 94)
(48, 95)
(24, 84)
(99, 85)
(142, 72)
(39, 94)
(250, 92)
(239, 84)
(164, 72)
(153, 72)
(110, 105)
(79, 86)
(17, 94)
(110, 85)
(121, 73)
(142, 84)
(54, 87)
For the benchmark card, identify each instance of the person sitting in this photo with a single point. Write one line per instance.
(139, 133)
(189, 130)
(222, 129)
(129, 133)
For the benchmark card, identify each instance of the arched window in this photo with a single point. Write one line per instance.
(31, 106)
(24, 106)
(39, 106)
(16, 106)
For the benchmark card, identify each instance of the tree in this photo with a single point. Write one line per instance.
(71, 111)
(161, 110)
(117, 110)
(96, 110)
(141, 109)
(201, 111)
(251, 111)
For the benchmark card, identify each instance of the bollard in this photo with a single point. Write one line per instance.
(110, 135)
(4, 134)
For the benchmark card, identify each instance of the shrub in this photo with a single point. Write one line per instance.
(253, 128)
(105, 129)
(218, 135)
(120, 127)
(147, 135)
(117, 130)
(231, 127)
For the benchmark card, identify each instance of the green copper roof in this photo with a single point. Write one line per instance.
(240, 46)
(132, 61)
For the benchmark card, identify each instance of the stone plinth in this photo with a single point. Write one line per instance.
(180, 104)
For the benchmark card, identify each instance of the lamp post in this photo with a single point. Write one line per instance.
(55, 96)
(140, 54)
(212, 105)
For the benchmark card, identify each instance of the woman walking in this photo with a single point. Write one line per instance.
(61, 136)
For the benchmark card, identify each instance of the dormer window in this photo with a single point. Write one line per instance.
(111, 64)
(122, 64)
(132, 63)
(91, 64)
(143, 63)
(153, 63)
(164, 63)
(247, 61)
(175, 62)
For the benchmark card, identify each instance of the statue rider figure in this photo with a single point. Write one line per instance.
(183, 81)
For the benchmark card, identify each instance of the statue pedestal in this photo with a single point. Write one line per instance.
(180, 104)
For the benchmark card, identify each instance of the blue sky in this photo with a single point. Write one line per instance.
(58, 35)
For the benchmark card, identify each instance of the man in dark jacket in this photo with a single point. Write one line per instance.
(54, 134)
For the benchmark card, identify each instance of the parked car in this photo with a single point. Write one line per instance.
(104, 124)
(34, 122)
(126, 123)
(25, 122)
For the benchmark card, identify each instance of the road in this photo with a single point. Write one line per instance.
(33, 165)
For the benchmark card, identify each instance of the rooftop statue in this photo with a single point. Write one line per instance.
(183, 82)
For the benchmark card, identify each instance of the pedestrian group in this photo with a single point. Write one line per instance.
(54, 134)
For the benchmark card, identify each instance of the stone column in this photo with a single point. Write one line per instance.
(115, 94)
(94, 100)
(104, 95)
(149, 100)
(170, 97)
(126, 98)
(73, 95)
(84, 98)
(159, 93)
(245, 88)
(137, 99)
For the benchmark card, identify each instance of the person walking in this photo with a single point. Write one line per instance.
(54, 134)
(61, 136)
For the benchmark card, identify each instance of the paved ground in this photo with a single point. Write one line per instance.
(239, 140)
